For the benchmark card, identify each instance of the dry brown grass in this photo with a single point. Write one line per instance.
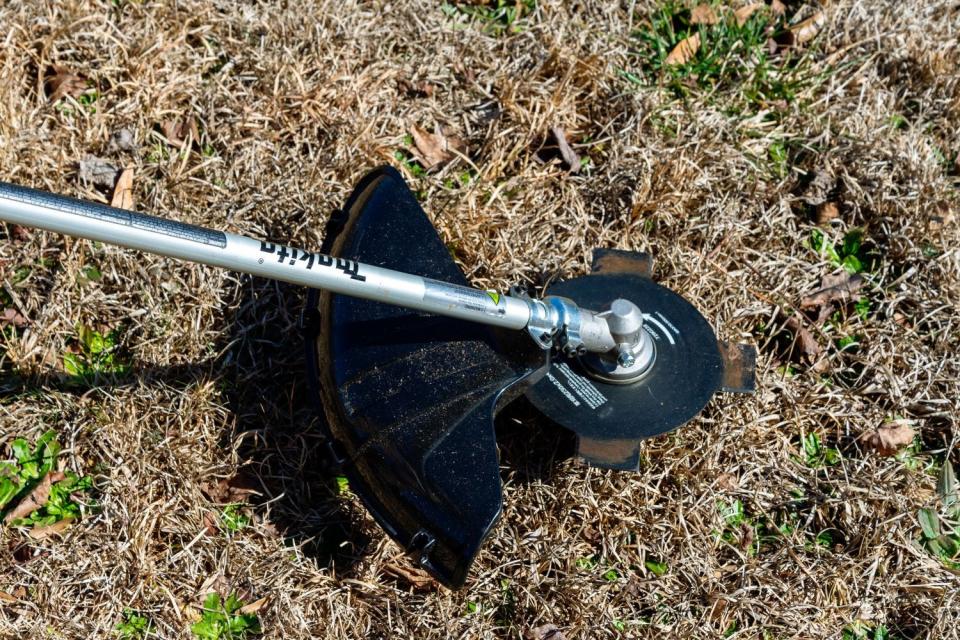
(296, 101)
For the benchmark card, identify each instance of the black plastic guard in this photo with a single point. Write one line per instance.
(410, 398)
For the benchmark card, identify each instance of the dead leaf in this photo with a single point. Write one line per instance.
(123, 191)
(122, 140)
(254, 606)
(727, 482)
(435, 149)
(35, 499)
(210, 523)
(570, 157)
(8, 598)
(684, 51)
(747, 535)
(544, 632)
(13, 317)
(826, 212)
(61, 82)
(416, 577)
(18, 232)
(744, 13)
(777, 8)
(889, 438)
(180, 131)
(805, 31)
(839, 288)
(98, 172)
(802, 337)
(231, 490)
(55, 529)
(703, 14)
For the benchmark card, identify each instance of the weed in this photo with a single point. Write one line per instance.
(134, 626)
(225, 620)
(851, 252)
(940, 528)
(656, 568)
(816, 455)
(412, 165)
(619, 625)
(95, 354)
(732, 58)
(29, 466)
(233, 518)
(861, 631)
(471, 607)
(497, 17)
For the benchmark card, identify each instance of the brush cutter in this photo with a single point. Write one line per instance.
(412, 364)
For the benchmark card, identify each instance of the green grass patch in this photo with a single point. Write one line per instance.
(733, 59)
(495, 17)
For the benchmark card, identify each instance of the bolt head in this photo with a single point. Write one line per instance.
(625, 359)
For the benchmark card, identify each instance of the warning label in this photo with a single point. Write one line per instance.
(578, 390)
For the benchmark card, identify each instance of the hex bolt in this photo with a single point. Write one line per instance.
(625, 359)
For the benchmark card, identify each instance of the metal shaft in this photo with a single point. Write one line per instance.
(546, 322)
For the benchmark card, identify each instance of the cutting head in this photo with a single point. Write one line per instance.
(612, 407)
(410, 398)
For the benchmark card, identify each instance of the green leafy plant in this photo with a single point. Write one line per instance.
(861, 631)
(28, 468)
(656, 568)
(225, 620)
(851, 252)
(497, 17)
(233, 518)
(940, 527)
(94, 354)
(816, 454)
(133, 626)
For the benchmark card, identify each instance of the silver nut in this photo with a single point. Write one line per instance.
(625, 359)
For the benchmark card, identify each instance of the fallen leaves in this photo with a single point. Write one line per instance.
(180, 132)
(13, 317)
(416, 577)
(802, 336)
(544, 632)
(98, 172)
(123, 191)
(744, 13)
(843, 288)
(570, 157)
(62, 82)
(35, 499)
(889, 438)
(684, 51)
(827, 212)
(435, 149)
(56, 529)
(703, 14)
(231, 490)
(807, 30)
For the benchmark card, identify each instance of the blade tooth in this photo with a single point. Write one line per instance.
(610, 454)
(637, 263)
(739, 367)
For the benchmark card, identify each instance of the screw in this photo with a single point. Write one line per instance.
(625, 359)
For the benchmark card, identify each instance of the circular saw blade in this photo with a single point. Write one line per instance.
(611, 419)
